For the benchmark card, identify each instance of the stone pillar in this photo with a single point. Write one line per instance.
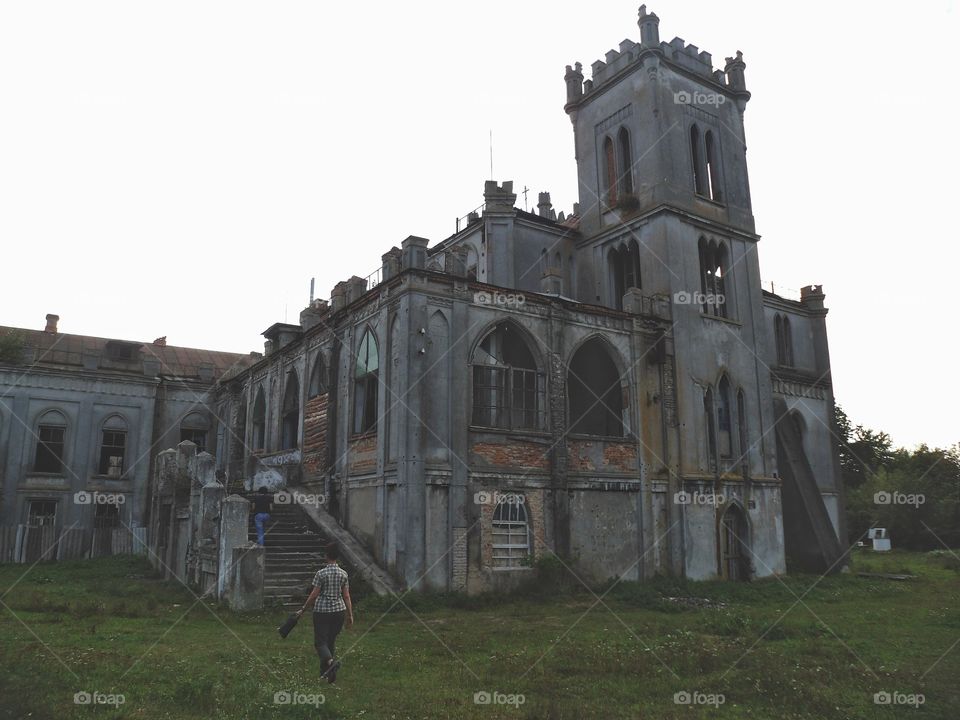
(246, 586)
(392, 260)
(551, 282)
(356, 287)
(234, 520)
(415, 252)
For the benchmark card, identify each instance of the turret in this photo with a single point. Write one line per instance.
(649, 29)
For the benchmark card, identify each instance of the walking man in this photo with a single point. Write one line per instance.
(330, 599)
(261, 511)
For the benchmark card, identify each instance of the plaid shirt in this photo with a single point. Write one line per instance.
(331, 579)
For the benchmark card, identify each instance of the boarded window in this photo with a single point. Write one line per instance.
(511, 533)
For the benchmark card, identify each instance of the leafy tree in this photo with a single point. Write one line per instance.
(862, 451)
(12, 344)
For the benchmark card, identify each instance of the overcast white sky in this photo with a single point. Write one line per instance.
(185, 168)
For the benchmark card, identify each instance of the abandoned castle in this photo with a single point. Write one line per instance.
(613, 385)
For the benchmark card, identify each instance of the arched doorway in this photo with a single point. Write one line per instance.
(734, 545)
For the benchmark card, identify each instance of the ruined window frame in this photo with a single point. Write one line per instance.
(319, 378)
(617, 388)
(290, 412)
(51, 444)
(528, 385)
(114, 436)
(366, 385)
(510, 553)
(259, 420)
(714, 278)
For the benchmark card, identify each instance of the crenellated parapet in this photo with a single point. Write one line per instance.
(678, 52)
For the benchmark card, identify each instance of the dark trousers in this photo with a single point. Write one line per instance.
(326, 627)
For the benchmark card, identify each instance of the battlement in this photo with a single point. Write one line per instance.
(677, 51)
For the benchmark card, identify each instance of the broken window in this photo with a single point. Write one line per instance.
(624, 262)
(290, 413)
(107, 515)
(259, 421)
(507, 388)
(113, 446)
(318, 378)
(713, 281)
(724, 419)
(194, 428)
(511, 533)
(713, 166)
(696, 156)
(610, 171)
(43, 513)
(626, 163)
(366, 385)
(51, 441)
(594, 392)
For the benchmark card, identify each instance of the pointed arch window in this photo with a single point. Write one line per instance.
(508, 388)
(724, 419)
(610, 171)
(783, 339)
(711, 429)
(713, 166)
(290, 413)
(696, 158)
(594, 392)
(366, 385)
(714, 263)
(742, 435)
(624, 260)
(318, 377)
(626, 162)
(259, 421)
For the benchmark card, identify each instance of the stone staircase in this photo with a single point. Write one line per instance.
(294, 553)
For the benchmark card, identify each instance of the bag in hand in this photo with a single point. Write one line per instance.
(289, 624)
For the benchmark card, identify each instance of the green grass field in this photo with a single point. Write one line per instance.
(110, 627)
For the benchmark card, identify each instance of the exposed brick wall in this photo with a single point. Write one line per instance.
(602, 455)
(315, 436)
(363, 454)
(514, 454)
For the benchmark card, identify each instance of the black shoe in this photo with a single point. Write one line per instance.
(331, 672)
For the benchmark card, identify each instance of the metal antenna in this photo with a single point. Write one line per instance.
(491, 154)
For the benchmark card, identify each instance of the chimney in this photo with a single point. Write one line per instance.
(161, 341)
(52, 321)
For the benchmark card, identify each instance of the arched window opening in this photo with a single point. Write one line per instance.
(610, 171)
(713, 280)
(511, 533)
(508, 390)
(51, 442)
(366, 385)
(113, 446)
(318, 378)
(594, 392)
(194, 428)
(744, 445)
(711, 429)
(624, 262)
(626, 163)
(290, 413)
(787, 342)
(696, 158)
(724, 419)
(713, 166)
(734, 545)
(778, 339)
(259, 421)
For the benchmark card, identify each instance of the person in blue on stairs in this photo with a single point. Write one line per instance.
(261, 511)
